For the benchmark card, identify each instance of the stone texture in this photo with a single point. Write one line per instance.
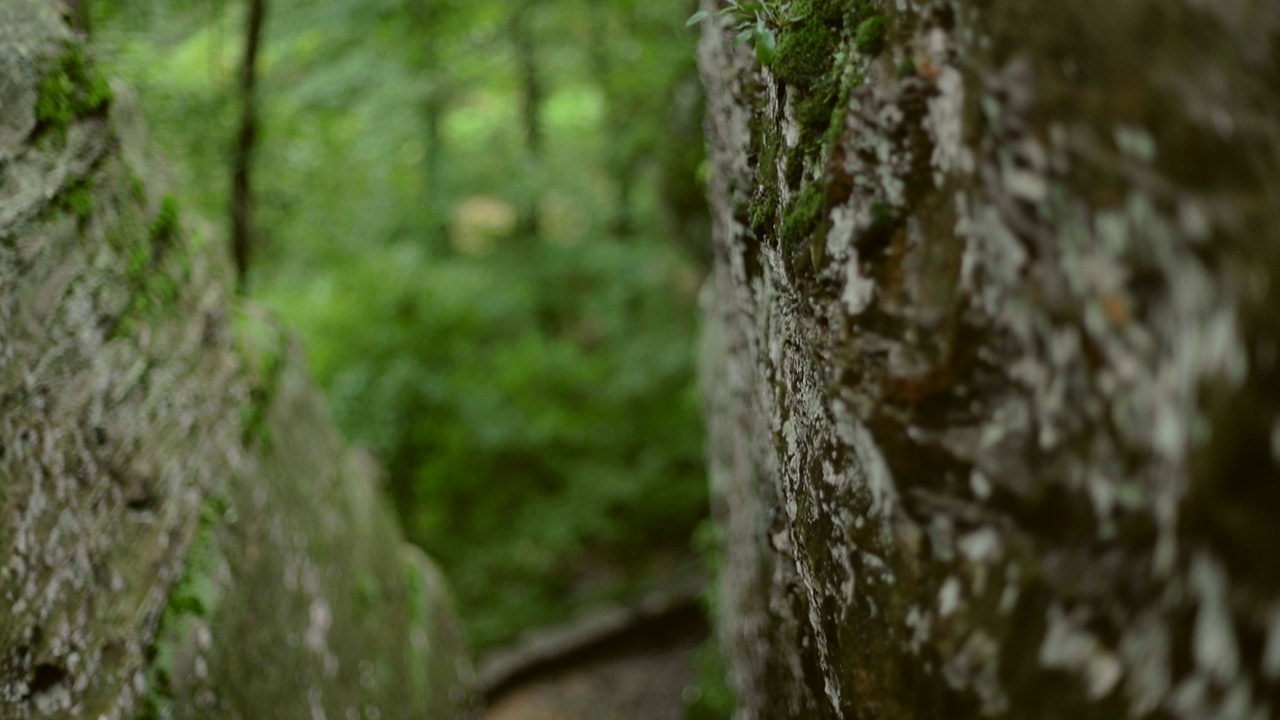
(991, 359)
(182, 531)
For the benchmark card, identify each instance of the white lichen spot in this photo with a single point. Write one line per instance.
(317, 635)
(315, 703)
(790, 126)
(858, 291)
(1026, 184)
(981, 546)
(1213, 639)
(840, 236)
(884, 494)
(1190, 698)
(920, 622)
(1145, 648)
(1068, 646)
(946, 124)
(1103, 493)
(977, 666)
(1193, 221)
(949, 597)
(1134, 142)
(1009, 596)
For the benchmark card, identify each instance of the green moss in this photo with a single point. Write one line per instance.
(805, 54)
(710, 698)
(154, 290)
(764, 202)
(840, 110)
(262, 348)
(196, 592)
(813, 58)
(137, 187)
(194, 597)
(77, 200)
(74, 88)
(164, 228)
(803, 218)
(419, 621)
(869, 40)
(760, 213)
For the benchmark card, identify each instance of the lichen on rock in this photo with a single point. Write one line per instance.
(183, 533)
(995, 441)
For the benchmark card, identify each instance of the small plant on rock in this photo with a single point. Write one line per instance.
(757, 22)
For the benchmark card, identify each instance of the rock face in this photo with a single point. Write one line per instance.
(991, 358)
(183, 533)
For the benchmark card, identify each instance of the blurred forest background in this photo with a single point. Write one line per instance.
(485, 218)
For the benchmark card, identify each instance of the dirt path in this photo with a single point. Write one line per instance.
(641, 674)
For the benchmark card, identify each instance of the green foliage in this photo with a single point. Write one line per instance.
(756, 21)
(154, 266)
(803, 217)
(164, 227)
(536, 410)
(77, 200)
(869, 39)
(711, 698)
(532, 400)
(193, 597)
(262, 348)
(73, 88)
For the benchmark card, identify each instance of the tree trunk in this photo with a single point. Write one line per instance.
(528, 223)
(991, 359)
(182, 531)
(427, 17)
(619, 157)
(242, 224)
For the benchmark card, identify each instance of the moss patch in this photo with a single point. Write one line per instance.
(869, 40)
(155, 288)
(194, 598)
(817, 67)
(74, 88)
(262, 348)
(800, 226)
(805, 54)
(77, 200)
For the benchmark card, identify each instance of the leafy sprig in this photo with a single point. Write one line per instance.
(757, 22)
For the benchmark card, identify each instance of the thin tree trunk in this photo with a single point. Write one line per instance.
(619, 156)
(531, 97)
(242, 226)
(434, 163)
(435, 102)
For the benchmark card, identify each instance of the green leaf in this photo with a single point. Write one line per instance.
(766, 45)
(697, 17)
(744, 36)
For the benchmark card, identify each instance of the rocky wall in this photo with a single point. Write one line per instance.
(991, 357)
(183, 533)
